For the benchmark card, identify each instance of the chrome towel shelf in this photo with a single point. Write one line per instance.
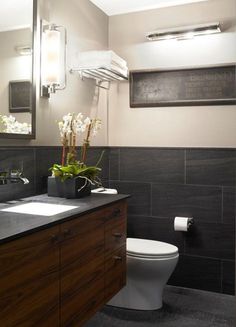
(101, 74)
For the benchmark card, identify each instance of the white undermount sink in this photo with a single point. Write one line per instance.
(40, 208)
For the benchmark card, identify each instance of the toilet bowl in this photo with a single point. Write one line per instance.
(149, 266)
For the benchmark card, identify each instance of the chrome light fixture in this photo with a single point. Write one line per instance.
(24, 50)
(53, 59)
(185, 32)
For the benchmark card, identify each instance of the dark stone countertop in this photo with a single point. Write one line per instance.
(15, 225)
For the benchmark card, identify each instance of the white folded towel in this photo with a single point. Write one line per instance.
(102, 59)
(105, 190)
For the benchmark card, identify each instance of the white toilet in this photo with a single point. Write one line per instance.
(149, 266)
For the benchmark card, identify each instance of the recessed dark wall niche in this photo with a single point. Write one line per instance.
(183, 87)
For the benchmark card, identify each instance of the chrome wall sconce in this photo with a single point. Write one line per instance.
(185, 32)
(24, 50)
(53, 59)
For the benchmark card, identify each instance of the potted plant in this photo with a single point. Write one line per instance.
(73, 178)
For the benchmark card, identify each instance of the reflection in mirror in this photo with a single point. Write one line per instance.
(17, 89)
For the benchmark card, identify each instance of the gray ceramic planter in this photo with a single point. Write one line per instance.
(71, 188)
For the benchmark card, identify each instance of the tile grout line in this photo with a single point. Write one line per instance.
(151, 192)
(222, 204)
(184, 244)
(221, 276)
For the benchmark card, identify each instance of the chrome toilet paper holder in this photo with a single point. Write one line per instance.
(190, 222)
(183, 224)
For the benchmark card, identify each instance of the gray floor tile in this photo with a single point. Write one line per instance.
(182, 308)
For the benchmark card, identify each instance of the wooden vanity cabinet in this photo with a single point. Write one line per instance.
(115, 250)
(93, 262)
(82, 269)
(60, 276)
(29, 280)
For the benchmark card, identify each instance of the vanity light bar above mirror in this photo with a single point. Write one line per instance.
(184, 32)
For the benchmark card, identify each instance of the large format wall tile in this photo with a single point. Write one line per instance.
(156, 180)
(211, 167)
(45, 158)
(211, 240)
(200, 202)
(229, 201)
(18, 158)
(114, 164)
(139, 203)
(228, 277)
(152, 165)
(197, 272)
(155, 229)
(94, 154)
(183, 182)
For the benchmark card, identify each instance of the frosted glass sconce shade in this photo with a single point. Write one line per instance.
(53, 57)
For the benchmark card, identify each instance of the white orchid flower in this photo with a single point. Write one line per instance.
(97, 124)
(87, 121)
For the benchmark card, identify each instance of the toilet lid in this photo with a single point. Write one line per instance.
(149, 248)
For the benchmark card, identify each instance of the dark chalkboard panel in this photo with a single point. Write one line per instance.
(185, 87)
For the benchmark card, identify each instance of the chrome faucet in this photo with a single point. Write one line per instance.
(17, 176)
(14, 176)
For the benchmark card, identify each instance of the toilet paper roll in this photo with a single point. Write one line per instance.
(182, 223)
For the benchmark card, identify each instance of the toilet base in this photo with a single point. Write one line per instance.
(146, 279)
(130, 299)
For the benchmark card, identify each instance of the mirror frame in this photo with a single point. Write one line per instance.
(33, 77)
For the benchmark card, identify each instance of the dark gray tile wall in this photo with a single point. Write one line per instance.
(227, 278)
(17, 158)
(201, 202)
(229, 197)
(152, 165)
(140, 202)
(45, 158)
(36, 162)
(198, 272)
(211, 167)
(199, 183)
(163, 183)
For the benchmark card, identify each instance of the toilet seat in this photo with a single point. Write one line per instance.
(150, 249)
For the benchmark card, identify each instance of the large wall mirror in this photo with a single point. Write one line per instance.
(18, 21)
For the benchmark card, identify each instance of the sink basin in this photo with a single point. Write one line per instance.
(40, 208)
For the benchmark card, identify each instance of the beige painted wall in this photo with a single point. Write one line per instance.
(213, 126)
(87, 29)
